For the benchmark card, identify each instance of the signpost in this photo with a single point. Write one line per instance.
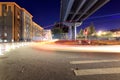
(85, 32)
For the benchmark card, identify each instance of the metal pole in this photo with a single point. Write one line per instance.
(75, 27)
(70, 32)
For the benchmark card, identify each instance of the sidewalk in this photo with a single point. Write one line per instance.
(4, 47)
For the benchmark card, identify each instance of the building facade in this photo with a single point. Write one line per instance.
(15, 23)
(37, 32)
(26, 29)
(47, 35)
(10, 22)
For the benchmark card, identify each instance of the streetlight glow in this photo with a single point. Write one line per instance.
(99, 33)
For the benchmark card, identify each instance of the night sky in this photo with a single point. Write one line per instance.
(106, 18)
(47, 12)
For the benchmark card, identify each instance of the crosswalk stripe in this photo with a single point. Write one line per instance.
(73, 57)
(93, 61)
(97, 71)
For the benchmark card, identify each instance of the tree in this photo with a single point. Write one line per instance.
(56, 31)
(91, 29)
(80, 34)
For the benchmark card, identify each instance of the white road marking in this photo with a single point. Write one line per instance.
(93, 61)
(97, 71)
(72, 57)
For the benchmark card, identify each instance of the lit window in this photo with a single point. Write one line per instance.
(18, 35)
(18, 16)
(12, 40)
(5, 14)
(0, 40)
(5, 40)
(25, 30)
(5, 34)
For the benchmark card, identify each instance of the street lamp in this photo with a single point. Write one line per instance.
(99, 33)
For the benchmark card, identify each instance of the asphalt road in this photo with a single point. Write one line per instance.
(29, 63)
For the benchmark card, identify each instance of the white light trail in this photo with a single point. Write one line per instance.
(106, 48)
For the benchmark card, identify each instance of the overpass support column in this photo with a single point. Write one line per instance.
(70, 32)
(74, 30)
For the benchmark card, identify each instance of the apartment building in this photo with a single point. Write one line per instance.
(26, 29)
(37, 32)
(10, 22)
(16, 23)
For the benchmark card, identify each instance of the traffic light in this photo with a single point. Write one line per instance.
(85, 31)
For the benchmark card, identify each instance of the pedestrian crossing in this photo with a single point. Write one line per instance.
(93, 61)
(95, 71)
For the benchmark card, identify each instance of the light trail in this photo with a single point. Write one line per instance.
(82, 48)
